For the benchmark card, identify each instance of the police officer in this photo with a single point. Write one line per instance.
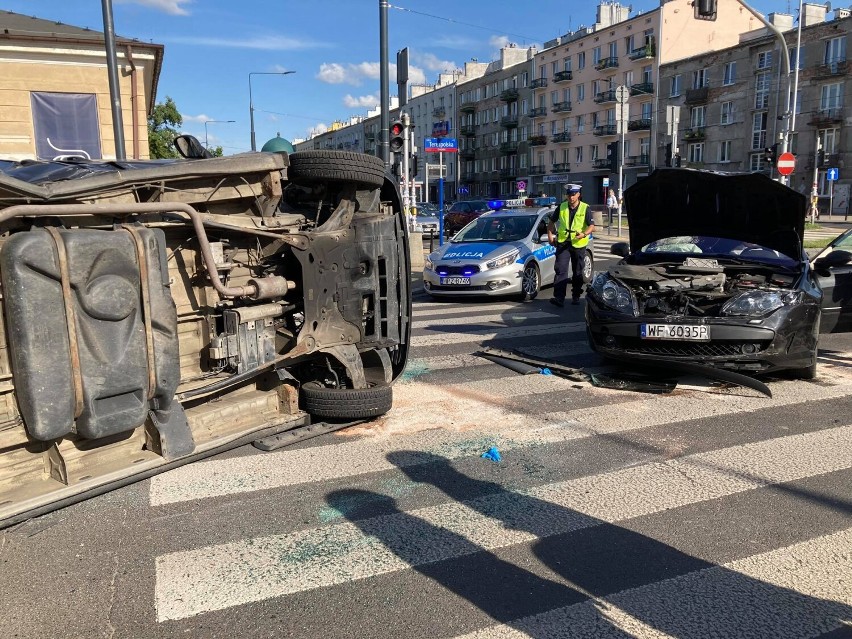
(568, 229)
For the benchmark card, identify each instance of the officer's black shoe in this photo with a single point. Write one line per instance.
(575, 301)
(556, 302)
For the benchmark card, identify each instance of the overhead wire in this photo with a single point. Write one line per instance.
(465, 24)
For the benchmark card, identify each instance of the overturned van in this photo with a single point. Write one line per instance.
(156, 312)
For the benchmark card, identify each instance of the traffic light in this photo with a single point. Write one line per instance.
(412, 166)
(397, 136)
(821, 157)
(612, 156)
(705, 9)
(770, 154)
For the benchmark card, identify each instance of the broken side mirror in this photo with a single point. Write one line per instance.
(836, 258)
(190, 148)
(622, 249)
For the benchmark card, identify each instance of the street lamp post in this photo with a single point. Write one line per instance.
(206, 122)
(251, 104)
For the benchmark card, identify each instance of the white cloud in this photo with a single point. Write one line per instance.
(431, 62)
(196, 118)
(354, 74)
(318, 129)
(368, 101)
(498, 42)
(415, 75)
(174, 7)
(263, 43)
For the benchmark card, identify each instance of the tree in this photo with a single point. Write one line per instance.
(216, 151)
(162, 129)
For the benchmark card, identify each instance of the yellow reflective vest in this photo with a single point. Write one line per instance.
(563, 225)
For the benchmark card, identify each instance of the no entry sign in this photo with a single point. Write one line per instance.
(786, 163)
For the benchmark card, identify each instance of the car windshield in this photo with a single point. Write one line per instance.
(425, 212)
(496, 229)
(426, 208)
(476, 207)
(719, 248)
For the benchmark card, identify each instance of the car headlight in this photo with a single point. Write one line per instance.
(760, 303)
(429, 265)
(613, 294)
(503, 260)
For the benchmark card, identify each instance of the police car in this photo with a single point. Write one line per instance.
(503, 252)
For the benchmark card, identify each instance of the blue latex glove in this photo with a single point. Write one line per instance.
(493, 454)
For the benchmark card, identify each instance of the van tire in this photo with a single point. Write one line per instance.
(346, 403)
(340, 166)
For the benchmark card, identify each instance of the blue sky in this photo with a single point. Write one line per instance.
(332, 45)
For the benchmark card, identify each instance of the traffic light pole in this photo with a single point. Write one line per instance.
(405, 178)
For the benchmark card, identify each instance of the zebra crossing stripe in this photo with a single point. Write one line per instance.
(462, 421)
(507, 333)
(722, 601)
(201, 580)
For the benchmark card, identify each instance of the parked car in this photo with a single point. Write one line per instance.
(715, 273)
(461, 213)
(159, 312)
(503, 252)
(426, 218)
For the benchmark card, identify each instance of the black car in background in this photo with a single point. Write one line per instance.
(715, 273)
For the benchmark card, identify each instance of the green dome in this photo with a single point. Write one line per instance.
(278, 145)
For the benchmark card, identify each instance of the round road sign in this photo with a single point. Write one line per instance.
(786, 163)
(522, 185)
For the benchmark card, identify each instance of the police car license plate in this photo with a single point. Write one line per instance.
(455, 281)
(675, 331)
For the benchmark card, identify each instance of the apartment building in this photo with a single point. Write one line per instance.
(574, 131)
(732, 102)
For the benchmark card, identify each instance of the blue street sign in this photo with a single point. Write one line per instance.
(832, 174)
(447, 145)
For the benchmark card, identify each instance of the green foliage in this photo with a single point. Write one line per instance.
(216, 151)
(163, 126)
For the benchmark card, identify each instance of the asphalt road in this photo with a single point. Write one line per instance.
(706, 512)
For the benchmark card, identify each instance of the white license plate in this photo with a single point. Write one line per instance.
(675, 331)
(455, 281)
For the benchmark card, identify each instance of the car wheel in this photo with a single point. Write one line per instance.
(346, 403)
(588, 267)
(530, 282)
(808, 372)
(342, 166)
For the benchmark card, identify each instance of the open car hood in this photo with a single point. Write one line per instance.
(743, 206)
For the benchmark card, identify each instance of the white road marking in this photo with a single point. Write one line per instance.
(788, 593)
(201, 580)
(504, 319)
(507, 333)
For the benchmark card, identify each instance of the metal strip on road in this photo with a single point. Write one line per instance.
(715, 602)
(463, 420)
(507, 333)
(521, 316)
(201, 580)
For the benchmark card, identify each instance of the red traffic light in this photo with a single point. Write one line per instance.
(397, 136)
(396, 128)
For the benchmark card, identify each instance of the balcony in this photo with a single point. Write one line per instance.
(538, 83)
(467, 130)
(538, 112)
(642, 53)
(508, 147)
(697, 96)
(605, 96)
(509, 121)
(827, 117)
(561, 138)
(602, 130)
(601, 163)
(694, 135)
(560, 167)
(562, 76)
(607, 63)
(467, 154)
(538, 169)
(643, 88)
(537, 140)
(560, 107)
(509, 172)
(509, 95)
(642, 124)
(637, 160)
(439, 112)
(831, 69)
(467, 107)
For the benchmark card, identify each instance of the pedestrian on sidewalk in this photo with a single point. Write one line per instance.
(568, 229)
(612, 205)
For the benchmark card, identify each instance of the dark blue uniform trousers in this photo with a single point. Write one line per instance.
(565, 254)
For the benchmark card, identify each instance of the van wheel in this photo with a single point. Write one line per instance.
(530, 282)
(346, 403)
(343, 166)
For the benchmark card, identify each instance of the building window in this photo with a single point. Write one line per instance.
(831, 96)
(647, 74)
(756, 162)
(593, 152)
(66, 124)
(835, 50)
(581, 92)
(795, 58)
(628, 43)
(725, 151)
(554, 97)
(596, 55)
(762, 82)
(730, 74)
(566, 64)
(830, 139)
(613, 49)
(696, 152)
(646, 110)
(697, 117)
(644, 146)
(580, 124)
(581, 60)
(542, 72)
(758, 131)
(764, 60)
(578, 155)
(675, 87)
(699, 78)
(525, 79)
(554, 66)
(727, 113)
